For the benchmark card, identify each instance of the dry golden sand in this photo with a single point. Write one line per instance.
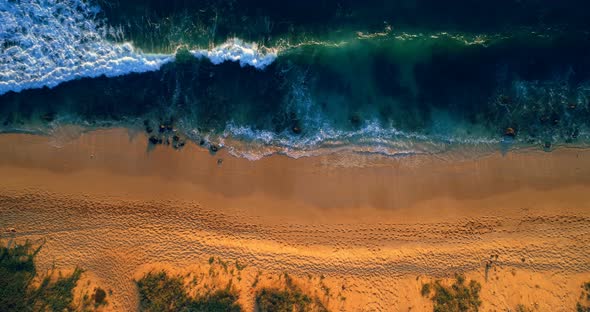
(376, 232)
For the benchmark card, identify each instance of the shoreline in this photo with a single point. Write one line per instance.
(83, 165)
(106, 204)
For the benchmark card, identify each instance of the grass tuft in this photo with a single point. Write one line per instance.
(99, 297)
(584, 304)
(17, 272)
(160, 292)
(425, 290)
(289, 299)
(458, 297)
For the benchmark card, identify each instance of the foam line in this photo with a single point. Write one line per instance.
(235, 50)
(46, 42)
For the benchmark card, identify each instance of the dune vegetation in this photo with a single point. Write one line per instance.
(24, 289)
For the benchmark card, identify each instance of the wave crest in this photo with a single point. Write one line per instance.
(372, 138)
(46, 42)
(236, 50)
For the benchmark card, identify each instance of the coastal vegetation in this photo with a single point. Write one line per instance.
(158, 291)
(99, 297)
(218, 286)
(523, 308)
(583, 304)
(289, 298)
(459, 297)
(23, 289)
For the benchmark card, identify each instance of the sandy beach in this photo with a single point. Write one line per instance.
(376, 228)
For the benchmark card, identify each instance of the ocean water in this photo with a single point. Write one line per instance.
(303, 78)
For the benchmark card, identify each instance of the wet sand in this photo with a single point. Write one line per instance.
(104, 202)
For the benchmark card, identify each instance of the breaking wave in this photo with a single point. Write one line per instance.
(46, 42)
(382, 90)
(372, 138)
(235, 50)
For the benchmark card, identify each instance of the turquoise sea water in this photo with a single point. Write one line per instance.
(303, 78)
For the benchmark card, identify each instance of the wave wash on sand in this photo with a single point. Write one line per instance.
(376, 233)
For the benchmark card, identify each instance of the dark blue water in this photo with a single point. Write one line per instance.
(304, 78)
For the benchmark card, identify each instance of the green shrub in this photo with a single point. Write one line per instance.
(58, 296)
(289, 299)
(99, 296)
(160, 292)
(425, 290)
(456, 298)
(17, 272)
(584, 304)
(276, 300)
(220, 301)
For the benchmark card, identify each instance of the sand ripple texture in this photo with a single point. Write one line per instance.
(113, 238)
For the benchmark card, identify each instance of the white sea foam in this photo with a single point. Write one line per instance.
(46, 42)
(372, 138)
(236, 50)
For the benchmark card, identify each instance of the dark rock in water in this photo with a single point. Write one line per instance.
(178, 144)
(48, 117)
(555, 119)
(202, 142)
(213, 148)
(296, 129)
(175, 138)
(153, 140)
(149, 129)
(510, 132)
(355, 120)
(547, 146)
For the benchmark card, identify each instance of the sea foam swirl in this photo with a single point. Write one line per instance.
(371, 138)
(46, 42)
(235, 50)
